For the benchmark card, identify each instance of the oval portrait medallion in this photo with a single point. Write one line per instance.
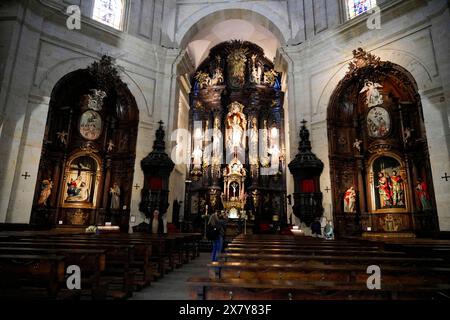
(90, 125)
(378, 122)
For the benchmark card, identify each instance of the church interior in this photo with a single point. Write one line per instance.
(225, 150)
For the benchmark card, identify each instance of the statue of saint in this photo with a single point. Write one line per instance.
(350, 200)
(217, 143)
(46, 190)
(423, 195)
(397, 189)
(384, 190)
(115, 196)
(197, 154)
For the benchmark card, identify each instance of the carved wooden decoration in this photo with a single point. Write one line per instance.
(377, 145)
(89, 144)
(237, 108)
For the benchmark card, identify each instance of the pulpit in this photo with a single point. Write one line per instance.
(157, 167)
(306, 169)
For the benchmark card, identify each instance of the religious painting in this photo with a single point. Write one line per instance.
(90, 125)
(378, 122)
(389, 184)
(81, 181)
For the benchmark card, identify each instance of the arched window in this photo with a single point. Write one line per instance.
(109, 12)
(357, 7)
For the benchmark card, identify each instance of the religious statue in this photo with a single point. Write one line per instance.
(373, 96)
(264, 159)
(95, 99)
(253, 142)
(256, 71)
(274, 152)
(328, 232)
(115, 196)
(217, 78)
(46, 190)
(407, 135)
(236, 125)
(203, 79)
(357, 144)
(270, 77)
(350, 200)
(384, 190)
(423, 195)
(397, 189)
(110, 145)
(62, 136)
(217, 143)
(197, 154)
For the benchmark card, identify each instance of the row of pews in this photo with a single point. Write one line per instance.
(35, 264)
(273, 267)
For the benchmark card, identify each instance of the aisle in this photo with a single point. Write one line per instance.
(173, 285)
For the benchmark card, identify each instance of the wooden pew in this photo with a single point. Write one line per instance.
(254, 289)
(355, 273)
(24, 275)
(118, 257)
(90, 261)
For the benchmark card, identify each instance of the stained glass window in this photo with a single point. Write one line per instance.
(109, 12)
(357, 7)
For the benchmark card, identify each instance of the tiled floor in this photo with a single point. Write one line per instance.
(173, 285)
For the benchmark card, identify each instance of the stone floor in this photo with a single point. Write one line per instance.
(173, 285)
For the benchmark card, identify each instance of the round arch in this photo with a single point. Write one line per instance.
(212, 15)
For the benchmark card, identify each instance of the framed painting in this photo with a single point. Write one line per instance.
(378, 122)
(80, 182)
(90, 125)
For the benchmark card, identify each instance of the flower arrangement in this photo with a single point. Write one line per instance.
(91, 229)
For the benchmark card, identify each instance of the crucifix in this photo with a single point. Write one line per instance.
(137, 186)
(327, 189)
(446, 177)
(26, 175)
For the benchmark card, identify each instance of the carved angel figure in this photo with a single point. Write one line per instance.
(95, 101)
(373, 96)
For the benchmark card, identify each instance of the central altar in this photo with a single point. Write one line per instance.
(236, 121)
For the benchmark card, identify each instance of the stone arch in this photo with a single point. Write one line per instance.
(260, 15)
(421, 74)
(54, 74)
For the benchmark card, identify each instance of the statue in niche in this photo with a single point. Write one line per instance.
(373, 96)
(217, 142)
(264, 152)
(236, 125)
(350, 200)
(256, 71)
(46, 191)
(397, 189)
(197, 155)
(115, 196)
(253, 141)
(422, 194)
(217, 78)
(384, 190)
